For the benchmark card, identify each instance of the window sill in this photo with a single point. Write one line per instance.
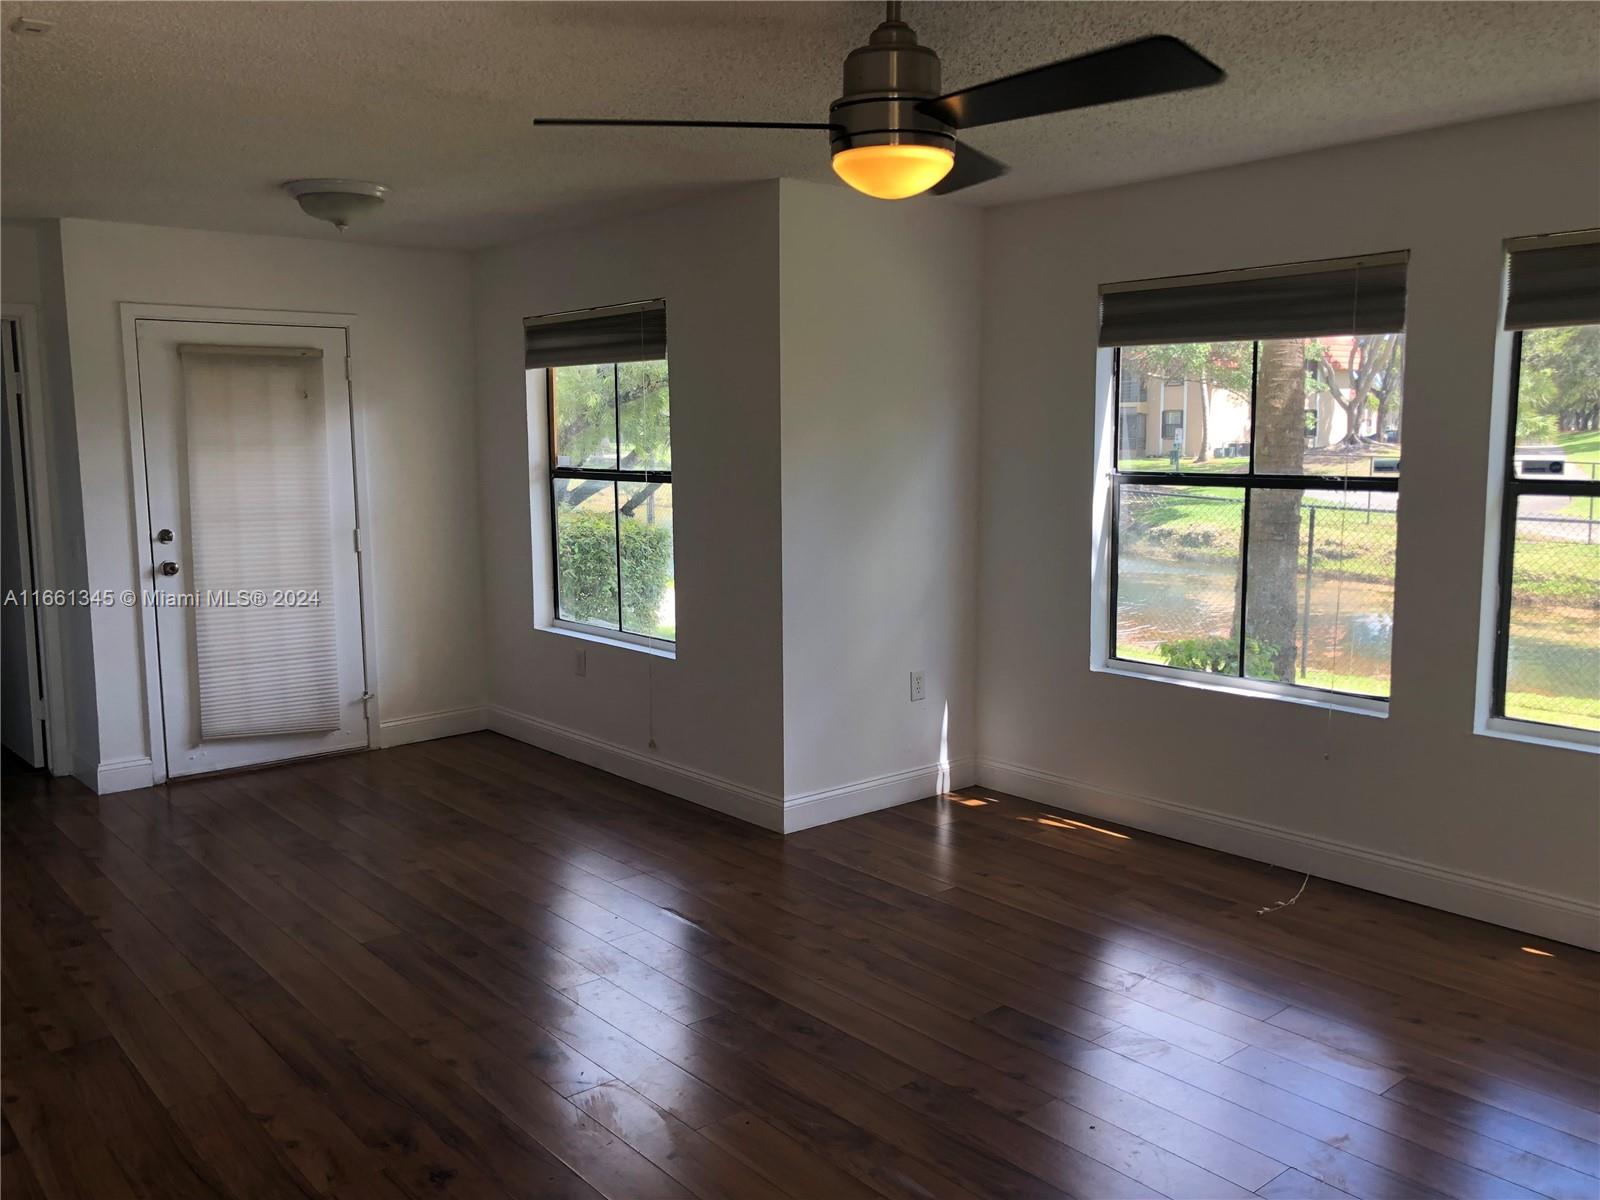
(1534, 734)
(612, 637)
(1253, 689)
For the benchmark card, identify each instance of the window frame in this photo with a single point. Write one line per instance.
(1245, 481)
(615, 475)
(1512, 488)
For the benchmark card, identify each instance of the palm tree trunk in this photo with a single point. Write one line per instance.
(1280, 440)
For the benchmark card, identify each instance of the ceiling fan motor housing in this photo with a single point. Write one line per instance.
(884, 81)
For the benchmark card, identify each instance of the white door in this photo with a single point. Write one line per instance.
(21, 696)
(253, 538)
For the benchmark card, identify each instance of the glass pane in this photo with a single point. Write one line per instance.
(1184, 407)
(1330, 405)
(1553, 646)
(586, 551)
(584, 403)
(1558, 403)
(649, 603)
(1178, 576)
(646, 424)
(1320, 608)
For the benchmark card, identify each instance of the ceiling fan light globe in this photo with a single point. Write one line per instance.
(893, 172)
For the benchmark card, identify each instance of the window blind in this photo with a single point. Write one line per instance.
(1553, 281)
(621, 333)
(1360, 295)
(258, 497)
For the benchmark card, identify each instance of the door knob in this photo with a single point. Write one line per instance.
(168, 568)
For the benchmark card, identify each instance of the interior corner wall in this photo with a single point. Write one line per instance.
(1416, 804)
(880, 342)
(715, 712)
(31, 273)
(411, 352)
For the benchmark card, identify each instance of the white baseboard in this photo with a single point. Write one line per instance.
(689, 783)
(427, 726)
(810, 809)
(1558, 917)
(116, 775)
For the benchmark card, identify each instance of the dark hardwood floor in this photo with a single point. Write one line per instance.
(471, 969)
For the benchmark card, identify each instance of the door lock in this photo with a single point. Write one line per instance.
(168, 568)
(164, 536)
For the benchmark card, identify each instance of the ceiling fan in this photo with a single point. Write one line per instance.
(893, 134)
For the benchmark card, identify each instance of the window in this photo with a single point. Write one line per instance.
(1261, 544)
(608, 413)
(1133, 390)
(1132, 432)
(1547, 652)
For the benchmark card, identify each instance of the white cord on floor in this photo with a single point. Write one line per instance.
(1261, 912)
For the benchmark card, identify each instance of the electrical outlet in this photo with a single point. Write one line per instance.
(580, 663)
(918, 691)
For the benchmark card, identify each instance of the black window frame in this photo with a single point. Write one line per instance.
(616, 475)
(1245, 481)
(1514, 487)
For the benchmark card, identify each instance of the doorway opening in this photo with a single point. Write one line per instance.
(26, 729)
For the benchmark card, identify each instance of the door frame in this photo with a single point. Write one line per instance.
(41, 493)
(130, 314)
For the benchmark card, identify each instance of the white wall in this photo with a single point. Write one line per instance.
(1415, 804)
(716, 709)
(411, 353)
(880, 330)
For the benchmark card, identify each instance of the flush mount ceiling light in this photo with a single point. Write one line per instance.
(337, 201)
(893, 135)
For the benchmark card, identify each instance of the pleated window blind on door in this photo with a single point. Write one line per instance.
(258, 527)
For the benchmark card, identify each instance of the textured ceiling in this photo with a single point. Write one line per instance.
(191, 113)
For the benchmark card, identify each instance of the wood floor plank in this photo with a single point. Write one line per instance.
(154, 1156)
(1396, 1155)
(782, 1160)
(470, 968)
(1485, 1153)
(1160, 1127)
(700, 1165)
(1293, 1185)
(45, 1109)
(1497, 1124)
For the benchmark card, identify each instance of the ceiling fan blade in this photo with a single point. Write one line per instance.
(683, 124)
(1147, 67)
(971, 167)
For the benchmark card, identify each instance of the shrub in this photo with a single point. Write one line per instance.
(588, 557)
(1220, 656)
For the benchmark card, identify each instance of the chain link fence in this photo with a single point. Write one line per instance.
(1553, 643)
(1181, 552)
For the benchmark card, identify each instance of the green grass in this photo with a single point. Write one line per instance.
(1585, 508)
(1575, 712)
(1236, 466)
(1580, 447)
(1566, 572)
(1351, 543)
